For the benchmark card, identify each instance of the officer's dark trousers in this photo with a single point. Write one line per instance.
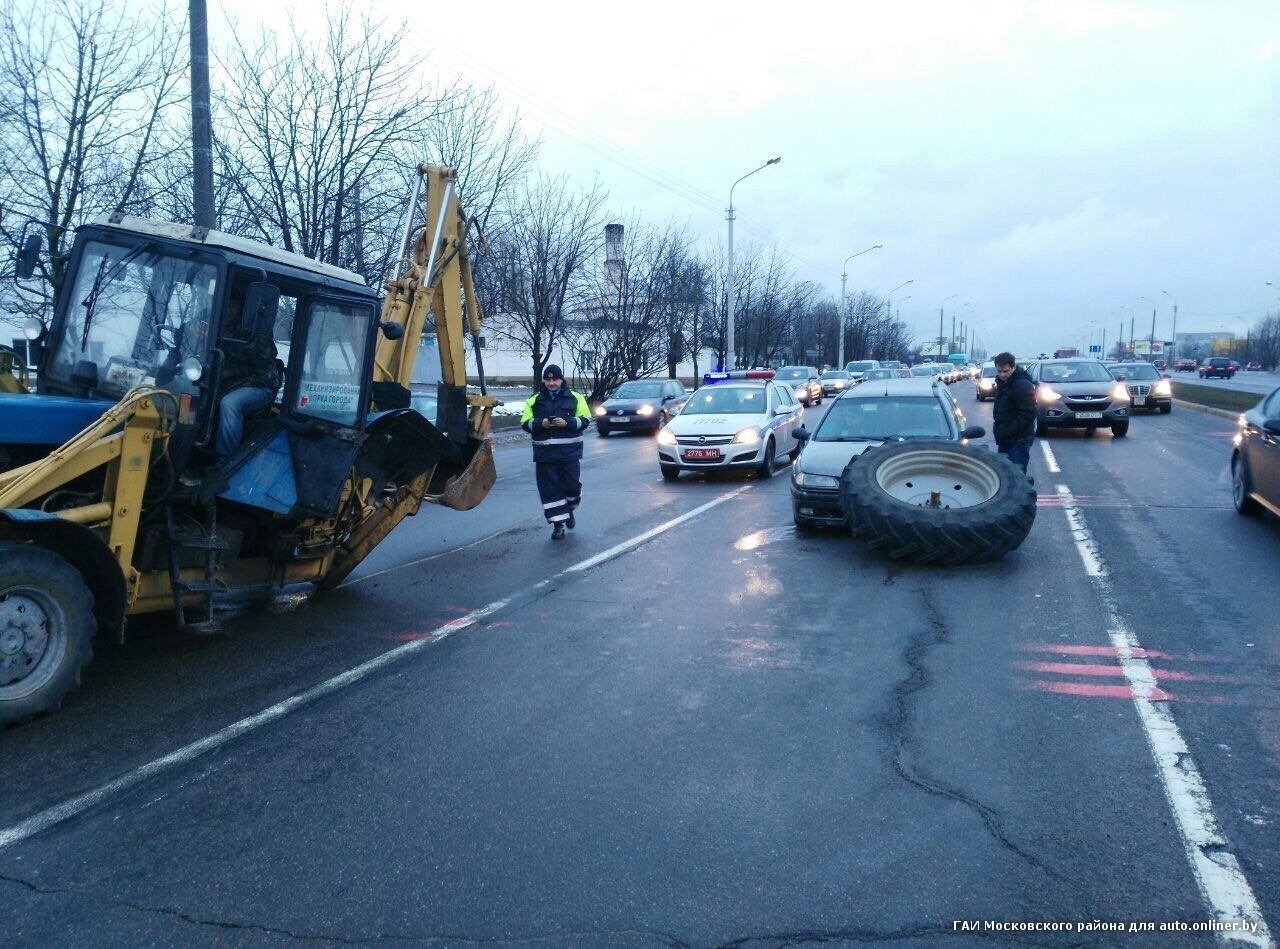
(560, 487)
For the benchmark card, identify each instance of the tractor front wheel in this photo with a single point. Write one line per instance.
(46, 630)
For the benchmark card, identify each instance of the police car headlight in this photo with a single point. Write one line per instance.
(665, 437)
(816, 480)
(645, 410)
(601, 410)
(748, 436)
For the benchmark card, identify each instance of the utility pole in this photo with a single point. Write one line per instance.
(201, 123)
(1131, 319)
(1152, 351)
(844, 308)
(951, 343)
(1120, 336)
(941, 338)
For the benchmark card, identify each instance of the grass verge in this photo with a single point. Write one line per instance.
(1229, 399)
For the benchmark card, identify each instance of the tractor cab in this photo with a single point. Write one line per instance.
(153, 304)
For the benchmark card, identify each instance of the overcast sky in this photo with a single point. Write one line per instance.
(1050, 163)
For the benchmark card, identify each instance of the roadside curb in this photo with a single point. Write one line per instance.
(1206, 409)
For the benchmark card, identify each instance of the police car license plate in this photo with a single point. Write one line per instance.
(1139, 400)
(1088, 415)
(702, 452)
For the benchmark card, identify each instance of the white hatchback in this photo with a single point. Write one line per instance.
(744, 421)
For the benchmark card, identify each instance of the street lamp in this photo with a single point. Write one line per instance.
(1152, 342)
(730, 354)
(941, 337)
(844, 297)
(1173, 355)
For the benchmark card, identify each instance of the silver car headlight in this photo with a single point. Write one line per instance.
(816, 480)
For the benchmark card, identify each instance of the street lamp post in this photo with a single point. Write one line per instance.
(888, 297)
(730, 354)
(942, 338)
(1151, 343)
(844, 298)
(1173, 355)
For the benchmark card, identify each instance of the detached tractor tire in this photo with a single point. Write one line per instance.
(938, 502)
(46, 631)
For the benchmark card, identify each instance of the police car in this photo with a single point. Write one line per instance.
(737, 420)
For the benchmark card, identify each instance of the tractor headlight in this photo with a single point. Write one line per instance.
(192, 369)
(32, 328)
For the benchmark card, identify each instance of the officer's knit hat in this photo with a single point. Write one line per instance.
(552, 372)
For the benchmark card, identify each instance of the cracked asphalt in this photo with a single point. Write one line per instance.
(731, 735)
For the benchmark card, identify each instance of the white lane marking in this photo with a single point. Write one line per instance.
(82, 802)
(77, 805)
(1049, 458)
(649, 534)
(1218, 873)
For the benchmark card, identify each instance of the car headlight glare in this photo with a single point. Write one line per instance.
(1163, 387)
(665, 437)
(816, 480)
(839, 383)
(801, 390)
(601, 410)
(645, 410)
(1048, 394)
(1120, 393)
(748, 436)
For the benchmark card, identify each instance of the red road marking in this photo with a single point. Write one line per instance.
(1088, 669)
(1093, 690)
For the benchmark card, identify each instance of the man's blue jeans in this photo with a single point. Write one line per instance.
(232, 409)
(1019, 453)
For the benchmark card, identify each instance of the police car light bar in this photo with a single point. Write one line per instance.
(710, 378)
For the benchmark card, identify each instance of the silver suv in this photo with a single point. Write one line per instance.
(1079, 393)
(863, 418)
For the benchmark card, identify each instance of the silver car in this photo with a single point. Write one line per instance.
(1079, 393)
(861, 419)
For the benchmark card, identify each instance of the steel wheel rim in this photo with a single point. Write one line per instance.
(939, 479)
(33, 640)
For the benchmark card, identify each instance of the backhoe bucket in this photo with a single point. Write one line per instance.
(464, 491)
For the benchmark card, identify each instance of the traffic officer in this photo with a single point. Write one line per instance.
(557, 417)
(1014, 412)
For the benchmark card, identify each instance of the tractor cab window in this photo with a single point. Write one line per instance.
(135, 313)
(333, 362)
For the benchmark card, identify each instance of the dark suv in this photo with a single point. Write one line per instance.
(1217, 366)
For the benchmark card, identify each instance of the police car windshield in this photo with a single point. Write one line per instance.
(726, 400)
(639, 390)
(884, 418)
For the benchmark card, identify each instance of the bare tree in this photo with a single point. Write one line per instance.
(534, 276)
(312, 124)
(86, 89)
(471, 133)
(632, 325)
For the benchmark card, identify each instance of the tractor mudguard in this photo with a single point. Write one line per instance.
(401, 446)
(81, 548)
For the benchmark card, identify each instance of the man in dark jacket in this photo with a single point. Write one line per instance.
(556, 417)
(1014, 416)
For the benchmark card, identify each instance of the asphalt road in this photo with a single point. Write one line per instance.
(720, 733)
